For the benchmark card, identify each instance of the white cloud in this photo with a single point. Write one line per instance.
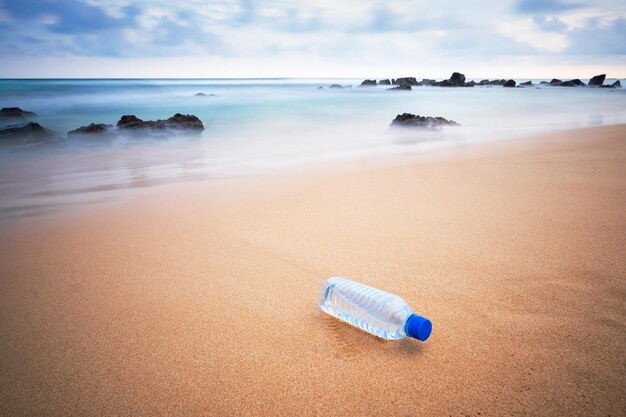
(526, 31)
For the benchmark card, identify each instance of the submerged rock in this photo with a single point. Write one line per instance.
(15, 113)
(401, 87)
(412, 120)
(597, 80)
(368, 83)
(93, 129)
(336, 86)
(27, 133)
(526, 84)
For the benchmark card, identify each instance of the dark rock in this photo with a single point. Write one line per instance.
(444, 83)
(384, 82)
(130, 121)
(27, 133)
(597, 80)
(470, 84)
(200, 95)
(509, 83)
(412, 120)
(401, 87)
(368, 83)
(483, 82)
(92, 129)
(617, 84)
(526, 84)
(336, 86)
(457, 79)
(606, 86)
(176, 122)
(426, 81)
(405, 81)
(15, 113)
(571, 83)
(555, 82)
(184, 122)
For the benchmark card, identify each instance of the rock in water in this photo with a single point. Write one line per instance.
(368, 83)
(526, 84)
(336, 86)
(384, 82)
(132, 122)
(617, 84)
(405, 81)
(27, 133)
(457, 79)
(184, 122)
(93, 129)
(555, 82)
(509, 83)
(401, 87)
(15, 113)
(598, 80)
(412, 120)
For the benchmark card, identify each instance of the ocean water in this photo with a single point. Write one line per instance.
(258, 125)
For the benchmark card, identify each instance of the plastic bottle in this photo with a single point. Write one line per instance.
(377, 312)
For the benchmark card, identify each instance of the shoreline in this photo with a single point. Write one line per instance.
(201, 298)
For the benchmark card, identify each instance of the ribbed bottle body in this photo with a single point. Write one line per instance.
(377, 312)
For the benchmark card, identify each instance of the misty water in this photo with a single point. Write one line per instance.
(258, 125)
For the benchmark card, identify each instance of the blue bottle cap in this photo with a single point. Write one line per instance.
(418, 327)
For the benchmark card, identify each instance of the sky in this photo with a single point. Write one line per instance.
(315, 38)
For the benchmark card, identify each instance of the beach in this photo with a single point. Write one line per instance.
(202, 298)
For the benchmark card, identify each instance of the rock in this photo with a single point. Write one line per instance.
(444, 83)
(405, 81)
(457, 79)
(470, 84)
(555, 82)
(27, 133)
(15, 113)
(200, 95)
(320, 88)
(428, 82)
(368, 83)
(184, 122)
(401, 87)
(597, 80)
(336, 86)
(606, 86)
(509, 83)
(526, 84)
(384, 82)
(617, 84)
(412, 120)
(177, 122)
(483, 82)
(92, 129)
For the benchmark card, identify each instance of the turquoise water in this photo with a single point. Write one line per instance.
(260, 125)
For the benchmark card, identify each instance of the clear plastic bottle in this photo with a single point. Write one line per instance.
(377, 312)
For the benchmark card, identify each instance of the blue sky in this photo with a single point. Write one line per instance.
(361, 38)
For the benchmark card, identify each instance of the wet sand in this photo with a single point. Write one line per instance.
(202, 298)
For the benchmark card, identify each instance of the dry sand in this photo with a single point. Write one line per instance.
(201, 300)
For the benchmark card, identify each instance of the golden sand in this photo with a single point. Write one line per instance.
(201, 299)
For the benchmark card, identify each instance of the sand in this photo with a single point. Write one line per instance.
(201, 299)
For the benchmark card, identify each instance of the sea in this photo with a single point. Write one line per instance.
(256, 126)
